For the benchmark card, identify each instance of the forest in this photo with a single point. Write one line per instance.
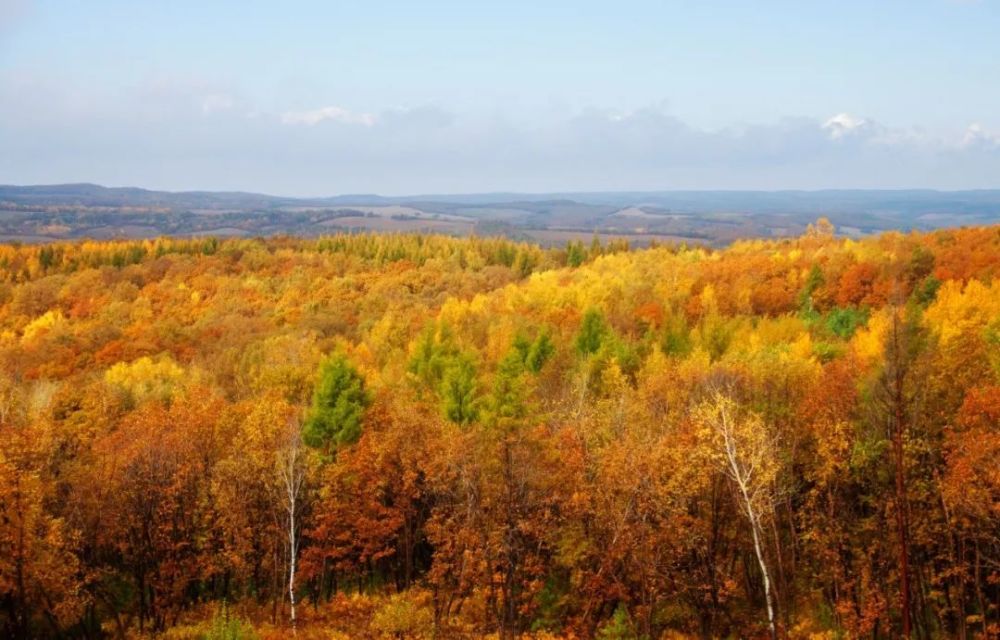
(421, 436)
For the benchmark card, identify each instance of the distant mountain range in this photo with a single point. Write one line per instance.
(52, 212)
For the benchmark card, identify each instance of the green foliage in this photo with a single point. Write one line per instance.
(575, 253)
(716, 335)
(921, 263)
(814, 281)
(618, 627)
(826, 352)
(434, 354)
(507, 398)
(593, 332)
(844, 322)
(866, 452)
(597, 340)
(524, 263)
(458, 391)
(539, 353)
(627, 356)
(811, 317)
(440, 366)
(534, 354)
(676, 337)
(926, 291)
(225, 627)
(551, 604)
(338, 406)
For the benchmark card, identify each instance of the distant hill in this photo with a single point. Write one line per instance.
(92, 195)
(50, 212)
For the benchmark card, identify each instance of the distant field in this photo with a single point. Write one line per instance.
(449, 227)
(562, 236)
(69, 212)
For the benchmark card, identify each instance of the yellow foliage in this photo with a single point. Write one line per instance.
(408, 615)
(802, 347)
(146, 377)
(454, 312)
(960, 310)
(869, 342)
(43, 324)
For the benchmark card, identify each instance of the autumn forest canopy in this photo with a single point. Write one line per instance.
(421, 436)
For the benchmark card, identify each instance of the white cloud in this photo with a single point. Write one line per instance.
(331, 113)
(978, 136)
(843, 125)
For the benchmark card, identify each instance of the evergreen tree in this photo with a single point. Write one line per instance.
(593, 331)
(338, 406)
(539, 352)
(575, 254)
(458, 391)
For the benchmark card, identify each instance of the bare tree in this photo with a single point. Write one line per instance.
(745, 449)
(291, 473)
(897, 398)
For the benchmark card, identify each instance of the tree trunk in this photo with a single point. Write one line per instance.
(898, 400)
(293, 482)
(902, 535)
(291, 560)
(755, 529)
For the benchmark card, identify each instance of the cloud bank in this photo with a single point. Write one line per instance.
(331, 113)
(190, 135)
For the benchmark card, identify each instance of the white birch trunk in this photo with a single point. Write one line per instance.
(741, 471)
(292, 476)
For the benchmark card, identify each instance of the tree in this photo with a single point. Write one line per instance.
(40, 571)
(338, 406)
(745, 449)
(539, 352)
(150, 474)
(291, 473)
(496, 496)
(593, 332)
(895, 396)
(971, 489)
(823, 229)
(814, 281)
(575, 253)
(459, 391)
(373, 502)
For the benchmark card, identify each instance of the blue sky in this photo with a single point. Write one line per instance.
(318, 98)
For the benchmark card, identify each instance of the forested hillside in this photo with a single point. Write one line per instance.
(397, 436)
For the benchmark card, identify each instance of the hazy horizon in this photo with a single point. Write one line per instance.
(505, 193)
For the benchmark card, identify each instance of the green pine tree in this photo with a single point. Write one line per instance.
(458, 391)
(338, 406)
(593, 331)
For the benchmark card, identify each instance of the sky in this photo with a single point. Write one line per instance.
(411, 97)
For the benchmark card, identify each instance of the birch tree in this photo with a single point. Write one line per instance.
(743, 448)
(291, 472)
